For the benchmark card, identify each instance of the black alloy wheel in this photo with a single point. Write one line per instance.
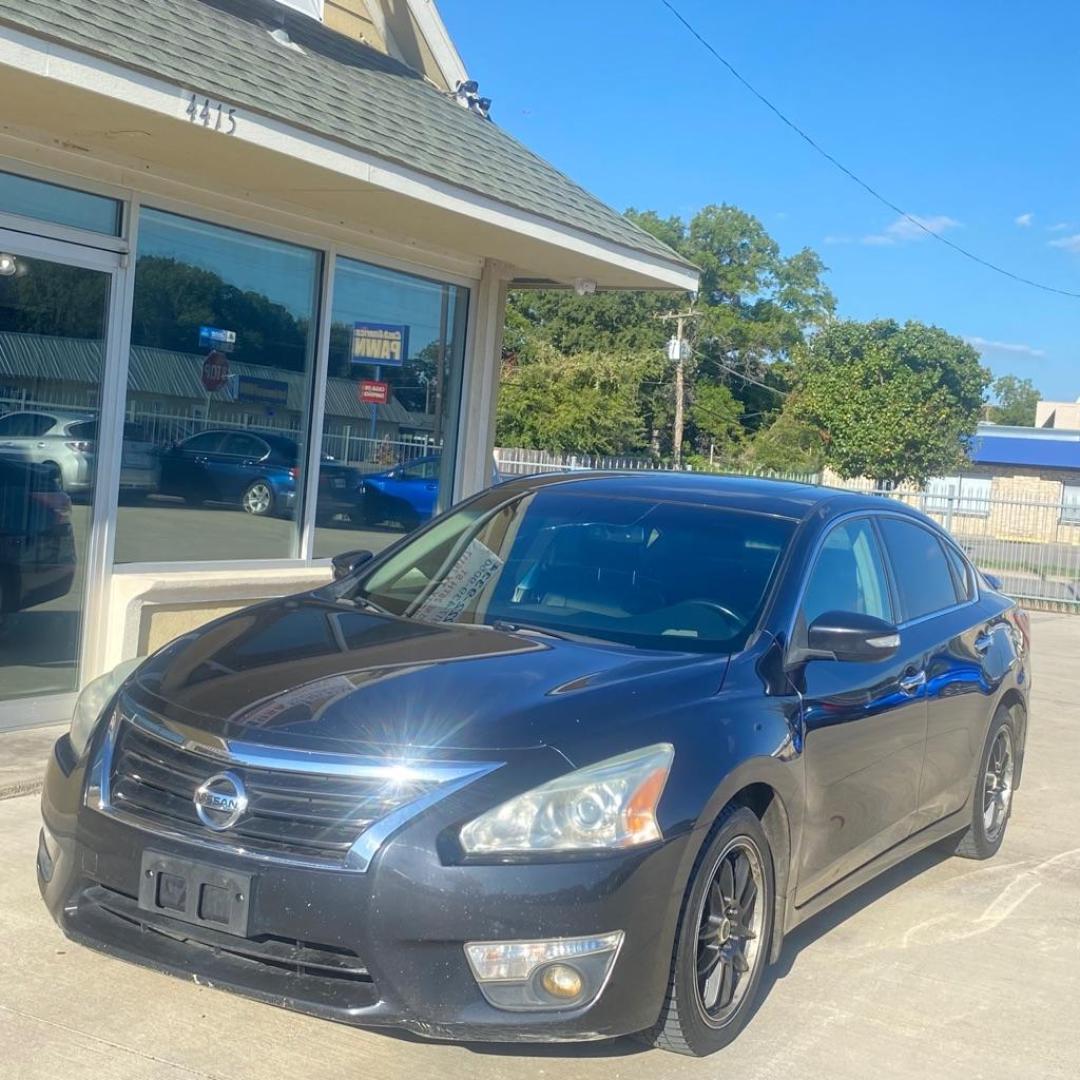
(993, 790)
(723, 941)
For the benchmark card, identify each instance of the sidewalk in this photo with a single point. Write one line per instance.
(22, 759)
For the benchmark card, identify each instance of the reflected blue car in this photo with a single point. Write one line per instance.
(407, 494)
(254, 470)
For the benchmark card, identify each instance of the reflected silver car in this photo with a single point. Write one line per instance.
(65, 442)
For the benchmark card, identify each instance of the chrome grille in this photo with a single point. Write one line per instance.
(317, 809)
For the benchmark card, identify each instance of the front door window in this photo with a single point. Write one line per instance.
(52, 341)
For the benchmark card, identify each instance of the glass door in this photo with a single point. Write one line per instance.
(55, 302)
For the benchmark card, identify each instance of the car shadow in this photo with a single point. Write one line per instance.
(802, 937)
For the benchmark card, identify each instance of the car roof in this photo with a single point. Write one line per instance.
(782, 498)
(277, 442)
(52, 414)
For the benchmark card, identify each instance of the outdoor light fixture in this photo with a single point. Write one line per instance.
(8, 265)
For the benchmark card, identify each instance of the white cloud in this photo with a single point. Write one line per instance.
(1061, 226)
(1016, 347)
(1068, 243)
(906, 229)
(1024, 220)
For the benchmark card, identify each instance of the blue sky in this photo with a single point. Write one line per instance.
(963, 113)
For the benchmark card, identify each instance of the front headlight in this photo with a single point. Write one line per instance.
(92, 701)
(608, 805)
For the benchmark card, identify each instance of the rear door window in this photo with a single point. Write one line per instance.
(924, 580)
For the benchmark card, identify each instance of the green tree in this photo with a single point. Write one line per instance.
(174, 299)
(892, 402)
(788, 445)
(1016, 401)
(716, 413)
(754, 307)
(585, 403)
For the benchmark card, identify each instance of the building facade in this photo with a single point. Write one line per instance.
(253, 265)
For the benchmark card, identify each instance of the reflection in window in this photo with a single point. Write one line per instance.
(396, 351)
(60, 205)
(52, 329)
(222, 341)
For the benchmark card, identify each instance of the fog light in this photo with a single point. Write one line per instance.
(562, 981)
(523, 975)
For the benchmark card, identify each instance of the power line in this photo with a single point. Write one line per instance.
(746, 378)
(858, 179)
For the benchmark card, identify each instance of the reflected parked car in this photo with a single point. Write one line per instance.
(65, 443)
(567, 763)
(37, 545)
(254, 470)
(408, 493)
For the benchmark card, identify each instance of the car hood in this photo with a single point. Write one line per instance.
(319, 673)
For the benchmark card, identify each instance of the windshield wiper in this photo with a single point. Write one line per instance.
(509, 626)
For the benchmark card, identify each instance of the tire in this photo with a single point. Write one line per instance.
(688, 1024)
(995, 784)
(258, 500)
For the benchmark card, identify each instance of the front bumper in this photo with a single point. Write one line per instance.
(381, 948)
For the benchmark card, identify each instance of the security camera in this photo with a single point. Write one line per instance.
(584, 286)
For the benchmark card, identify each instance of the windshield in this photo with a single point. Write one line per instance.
(643, 572)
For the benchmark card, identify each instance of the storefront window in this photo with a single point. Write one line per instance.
(60, 205)
(222, 345)
(392, 391)
(52, 330)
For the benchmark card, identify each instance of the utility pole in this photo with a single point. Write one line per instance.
(677, 351)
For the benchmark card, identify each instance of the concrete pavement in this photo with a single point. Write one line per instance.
(942, 969)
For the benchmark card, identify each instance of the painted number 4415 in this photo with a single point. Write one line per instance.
(211, 114)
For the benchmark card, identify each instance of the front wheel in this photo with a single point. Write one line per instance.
(258, 499)
(723, 941)
(993, 796)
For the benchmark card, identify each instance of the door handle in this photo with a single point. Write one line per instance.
(912, 682)
(983, 643)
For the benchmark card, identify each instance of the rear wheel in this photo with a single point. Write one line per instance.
(993, 795)
(258, 499)
(723, 941)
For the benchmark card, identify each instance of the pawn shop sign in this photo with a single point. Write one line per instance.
(371, 392)
(215, 371)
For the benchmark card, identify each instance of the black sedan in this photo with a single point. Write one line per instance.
(568, 763)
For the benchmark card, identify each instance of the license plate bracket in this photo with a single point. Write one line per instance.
(196, 893)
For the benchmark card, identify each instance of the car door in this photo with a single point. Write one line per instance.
(238, 464)
(956, 641)
(22, 436)
(418, 485)
(184, 469)
(864, 724)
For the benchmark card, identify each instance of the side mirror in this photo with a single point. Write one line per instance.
(993, 581)
(348, 561)
(850, 636)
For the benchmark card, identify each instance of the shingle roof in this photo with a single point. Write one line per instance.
(336, 87)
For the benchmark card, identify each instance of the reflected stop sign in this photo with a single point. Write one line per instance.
(215, 370)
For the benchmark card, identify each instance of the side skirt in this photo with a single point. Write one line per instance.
(915, 843)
